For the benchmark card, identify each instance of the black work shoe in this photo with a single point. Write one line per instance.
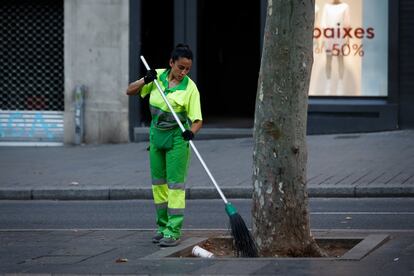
(169, 242)
(157, 238)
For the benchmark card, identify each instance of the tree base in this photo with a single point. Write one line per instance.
(295, 250)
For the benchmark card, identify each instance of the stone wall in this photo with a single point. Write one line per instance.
(96, 56)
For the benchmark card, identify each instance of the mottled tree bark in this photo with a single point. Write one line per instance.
(280, 215)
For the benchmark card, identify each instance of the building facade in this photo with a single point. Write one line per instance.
(361, 80)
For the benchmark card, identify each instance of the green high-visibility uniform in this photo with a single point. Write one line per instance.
(169, 152)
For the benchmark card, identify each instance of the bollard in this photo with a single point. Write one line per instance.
(79, 113)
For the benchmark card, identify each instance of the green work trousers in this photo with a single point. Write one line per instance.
(169, 160)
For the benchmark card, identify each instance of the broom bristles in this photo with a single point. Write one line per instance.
(243, 240)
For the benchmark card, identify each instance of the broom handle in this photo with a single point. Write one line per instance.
(183, 129)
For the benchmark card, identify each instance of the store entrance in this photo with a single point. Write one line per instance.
(157, 41)
(228, 61)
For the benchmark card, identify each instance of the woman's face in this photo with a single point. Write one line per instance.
(180, 68)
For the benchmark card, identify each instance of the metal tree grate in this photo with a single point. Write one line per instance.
(31, 55)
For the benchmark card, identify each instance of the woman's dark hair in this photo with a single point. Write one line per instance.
(181, 51)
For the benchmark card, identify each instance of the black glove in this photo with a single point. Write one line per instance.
(150, 76)
(188, 135)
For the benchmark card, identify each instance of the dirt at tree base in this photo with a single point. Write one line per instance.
(223, 247)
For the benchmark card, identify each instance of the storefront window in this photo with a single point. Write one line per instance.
(350, 48)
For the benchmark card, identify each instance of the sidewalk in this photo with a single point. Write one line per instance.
(116, 252)
(343, 165)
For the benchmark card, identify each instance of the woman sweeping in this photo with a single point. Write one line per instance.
(169, 147)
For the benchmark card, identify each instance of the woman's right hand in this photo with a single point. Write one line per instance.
(150, 76)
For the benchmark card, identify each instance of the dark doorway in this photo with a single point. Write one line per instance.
(228, 61)
(157, 23)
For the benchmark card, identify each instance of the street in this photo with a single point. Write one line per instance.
(78, 237)
(326, 213)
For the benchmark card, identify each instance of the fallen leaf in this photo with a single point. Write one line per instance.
(122, 260)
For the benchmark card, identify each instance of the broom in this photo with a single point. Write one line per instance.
(243, 240)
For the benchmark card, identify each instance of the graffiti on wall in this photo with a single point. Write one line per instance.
(20, 124)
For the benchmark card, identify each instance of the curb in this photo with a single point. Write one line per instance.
(141, 134)
(193, 193)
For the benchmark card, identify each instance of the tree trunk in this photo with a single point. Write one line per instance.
(280, 215)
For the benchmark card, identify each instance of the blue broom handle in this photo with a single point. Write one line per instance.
(183, 129)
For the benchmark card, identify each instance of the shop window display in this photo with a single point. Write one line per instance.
(350, 48)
